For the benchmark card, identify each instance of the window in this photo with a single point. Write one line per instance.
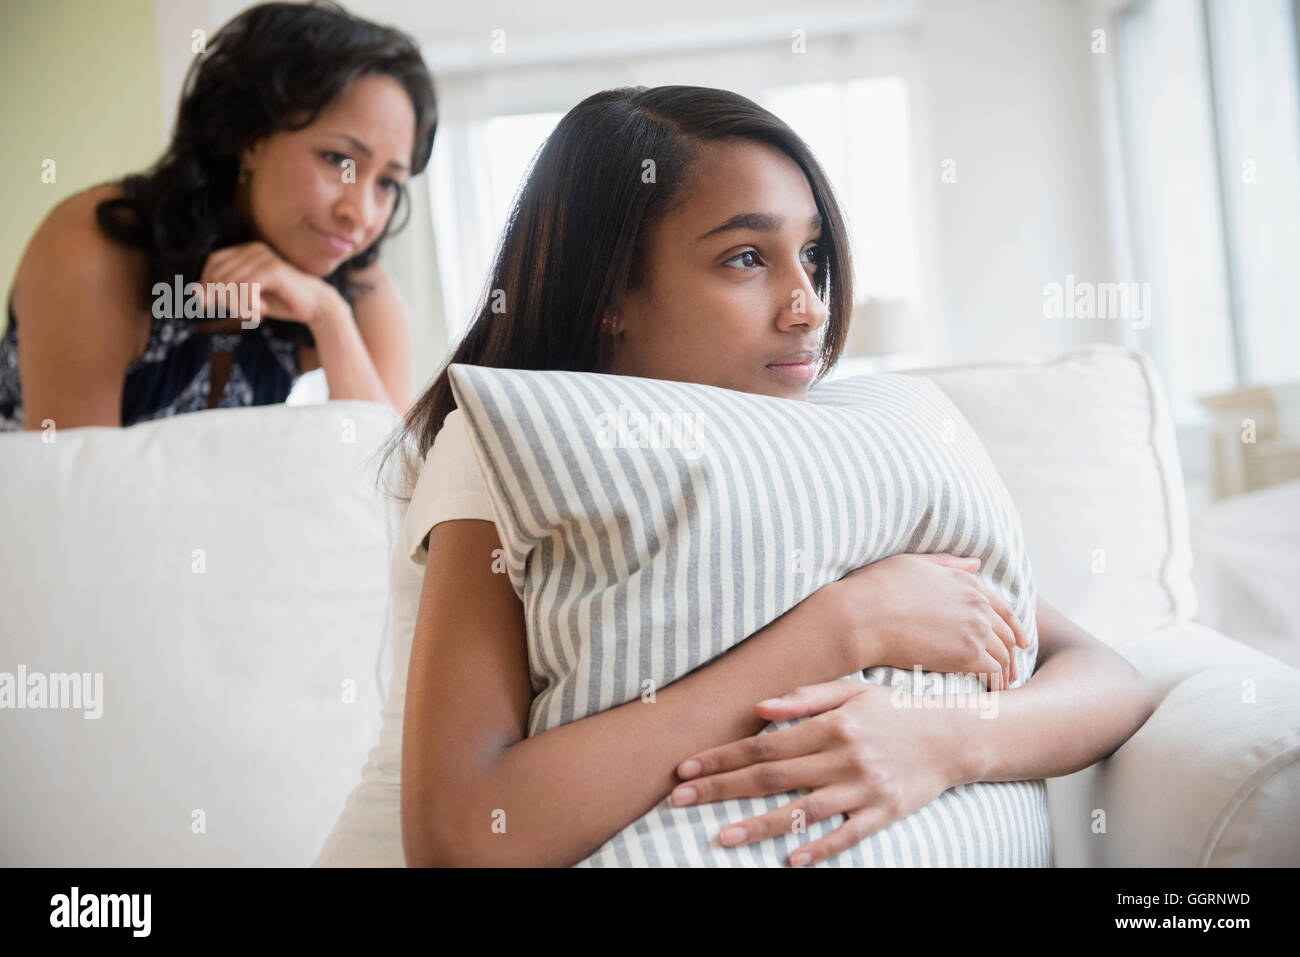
(477, 169)
(1210, 107)
(860, 131)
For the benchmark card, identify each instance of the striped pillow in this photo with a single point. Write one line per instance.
(650, 525)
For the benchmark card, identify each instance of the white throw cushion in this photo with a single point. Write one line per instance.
(226, 573)
(1086, 446)
(650, 525)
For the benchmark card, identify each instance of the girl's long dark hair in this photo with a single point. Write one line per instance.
(274, 67)
(580, 223)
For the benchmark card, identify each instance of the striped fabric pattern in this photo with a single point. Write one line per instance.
(649, 525)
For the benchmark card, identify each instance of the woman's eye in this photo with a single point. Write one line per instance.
(816, 254)
(392, 185)
(336, 159)
(748, 252)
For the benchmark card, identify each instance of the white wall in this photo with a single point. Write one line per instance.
(1011, 100)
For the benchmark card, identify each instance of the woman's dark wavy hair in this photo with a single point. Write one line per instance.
(581, 223)
(274, 67)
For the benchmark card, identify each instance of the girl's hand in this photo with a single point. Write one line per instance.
(283, 290)
(863, 757)
(931, 610)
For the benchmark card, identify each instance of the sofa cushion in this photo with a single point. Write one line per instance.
(1169, 656)
(225, 573)
(1085, 443)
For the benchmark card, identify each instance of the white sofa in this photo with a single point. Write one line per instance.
(227, 574)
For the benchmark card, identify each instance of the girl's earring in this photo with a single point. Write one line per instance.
(243, 175)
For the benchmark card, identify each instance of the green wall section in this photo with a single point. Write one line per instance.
(81, 87)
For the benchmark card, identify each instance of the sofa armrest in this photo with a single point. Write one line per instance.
(1212, 779)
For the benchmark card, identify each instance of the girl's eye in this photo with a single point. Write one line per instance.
(392, 185)
(752, 254)
(750, 259)
(337, 159)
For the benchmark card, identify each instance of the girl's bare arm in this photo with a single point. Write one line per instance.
(1085, 700)
(467, 763)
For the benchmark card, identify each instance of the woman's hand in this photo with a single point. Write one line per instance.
(931, 610)
(860, 754)
(284, 291)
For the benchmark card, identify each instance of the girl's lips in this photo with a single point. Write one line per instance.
(800, 371)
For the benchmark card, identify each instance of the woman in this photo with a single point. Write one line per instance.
(690, 274)
(297, 130)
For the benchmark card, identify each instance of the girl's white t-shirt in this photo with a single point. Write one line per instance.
(369, 831)
(450, 486)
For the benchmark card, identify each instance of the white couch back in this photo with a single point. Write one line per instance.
(227, 574)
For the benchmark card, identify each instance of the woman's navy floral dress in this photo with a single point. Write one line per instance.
(174, 375)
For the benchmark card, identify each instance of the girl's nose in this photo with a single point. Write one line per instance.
(804, 304)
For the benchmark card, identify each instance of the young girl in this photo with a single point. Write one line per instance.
(664, 233)
(296, 133)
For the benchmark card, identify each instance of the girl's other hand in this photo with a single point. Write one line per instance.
(933, 612)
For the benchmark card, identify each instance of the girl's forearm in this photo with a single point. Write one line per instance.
(1082, 703)
(567, 791)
